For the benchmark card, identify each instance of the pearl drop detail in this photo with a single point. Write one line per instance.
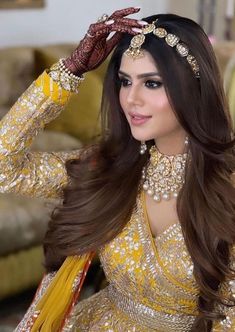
(163, 177)
(150, 192)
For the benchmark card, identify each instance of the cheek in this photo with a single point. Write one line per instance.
(123, 102)
(163, 114)
(161, 107)
(160, 103)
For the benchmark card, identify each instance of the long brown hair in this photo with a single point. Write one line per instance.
(104, 180)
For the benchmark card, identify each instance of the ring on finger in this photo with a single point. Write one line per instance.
(103, 18)
(89, 35)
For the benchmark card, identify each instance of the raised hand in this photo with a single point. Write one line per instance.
(95, 47)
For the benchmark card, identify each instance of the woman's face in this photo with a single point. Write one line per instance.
(144, 100)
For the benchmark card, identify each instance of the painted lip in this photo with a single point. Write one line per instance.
(138, 119)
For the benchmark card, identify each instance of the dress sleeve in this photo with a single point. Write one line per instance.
(38, 174)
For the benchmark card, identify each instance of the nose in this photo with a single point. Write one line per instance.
(134, 96)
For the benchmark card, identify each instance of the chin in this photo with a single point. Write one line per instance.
(142, 138)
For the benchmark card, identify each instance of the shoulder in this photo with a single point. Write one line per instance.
(87, 155)
(89, 151)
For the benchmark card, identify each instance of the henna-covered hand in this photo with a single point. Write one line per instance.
(95, 47)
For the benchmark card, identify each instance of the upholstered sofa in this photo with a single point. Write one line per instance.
(23, 221)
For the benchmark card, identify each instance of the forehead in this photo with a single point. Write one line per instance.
(139, 65)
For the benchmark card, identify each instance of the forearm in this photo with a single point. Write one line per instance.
(38, 174)
(40, 103)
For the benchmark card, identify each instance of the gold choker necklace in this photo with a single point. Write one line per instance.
(163, 177)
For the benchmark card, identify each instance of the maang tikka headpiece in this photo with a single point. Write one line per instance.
(172, 40)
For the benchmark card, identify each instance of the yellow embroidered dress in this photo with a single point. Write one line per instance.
(151, 282)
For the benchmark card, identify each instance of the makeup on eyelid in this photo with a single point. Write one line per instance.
(144, 101)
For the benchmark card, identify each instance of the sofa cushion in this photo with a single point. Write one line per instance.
(19, 66)
(16, 68)
(21, 270)
(81, 116)
(23, 222)
(28, 217)
(50, 140)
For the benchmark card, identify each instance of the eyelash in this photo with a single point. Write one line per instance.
(157, 84)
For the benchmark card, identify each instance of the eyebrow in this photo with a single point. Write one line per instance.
(144, 75)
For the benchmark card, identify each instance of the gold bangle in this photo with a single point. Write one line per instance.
(64, 77)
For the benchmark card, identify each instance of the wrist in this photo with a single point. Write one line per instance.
(64, 77)
(73, 67)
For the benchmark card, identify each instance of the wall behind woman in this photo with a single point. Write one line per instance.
(191, 9)
(62, 20)
(67, 20)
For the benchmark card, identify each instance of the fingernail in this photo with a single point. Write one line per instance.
(109, 22)
(137, 7)
(142, 22)
(137, 30)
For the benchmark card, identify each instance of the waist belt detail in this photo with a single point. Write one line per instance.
(148, 317)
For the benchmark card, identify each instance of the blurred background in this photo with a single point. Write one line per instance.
(58, 21)
(33, 35)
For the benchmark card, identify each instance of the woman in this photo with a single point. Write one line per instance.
(154, 197)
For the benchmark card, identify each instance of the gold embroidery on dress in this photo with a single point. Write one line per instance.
(154, 277)
(141, 296)
(29, 173)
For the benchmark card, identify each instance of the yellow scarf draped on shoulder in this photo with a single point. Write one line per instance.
(61, 294)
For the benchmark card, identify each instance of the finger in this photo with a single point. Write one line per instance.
(99, 27)
(131, 22)
(104, 32)
(112, 42)
(125, 29)
(124, 12)
(117, 14)
(104, 28)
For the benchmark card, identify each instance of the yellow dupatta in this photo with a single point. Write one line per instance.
(61, 295)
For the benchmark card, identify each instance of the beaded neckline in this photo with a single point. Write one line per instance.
(166, 231)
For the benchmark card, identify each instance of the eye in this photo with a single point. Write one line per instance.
(124, 81)
(151, 84)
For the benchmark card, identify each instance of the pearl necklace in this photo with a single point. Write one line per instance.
(163, 177)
